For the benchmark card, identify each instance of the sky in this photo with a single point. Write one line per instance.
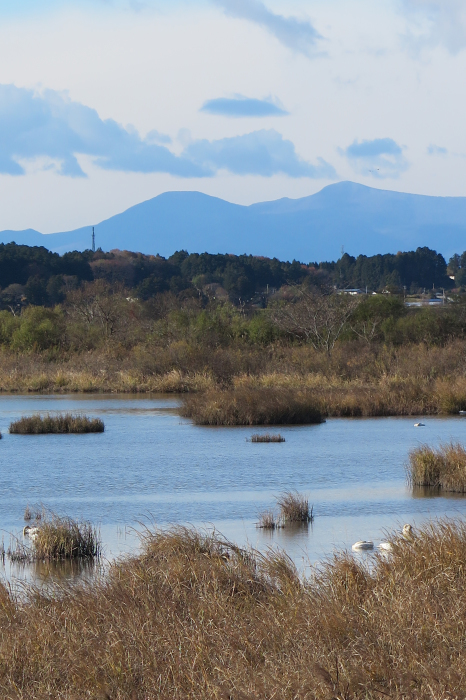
(107, 103)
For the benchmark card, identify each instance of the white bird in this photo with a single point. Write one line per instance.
(385, 546)
(408, 532)
(31, 532)
(419, 425)
(362, 544)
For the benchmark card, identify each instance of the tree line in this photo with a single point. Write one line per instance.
(35, 276)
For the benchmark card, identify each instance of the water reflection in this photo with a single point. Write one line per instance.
(431, 492)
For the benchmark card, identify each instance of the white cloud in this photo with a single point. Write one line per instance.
(437, 22)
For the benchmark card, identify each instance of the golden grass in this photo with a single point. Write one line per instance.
(195, 618)
(294, 508)
(63, 423)
(442, 468)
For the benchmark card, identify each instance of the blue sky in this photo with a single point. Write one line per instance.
(105, 103)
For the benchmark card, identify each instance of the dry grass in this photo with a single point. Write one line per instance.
(57, 538)
(268, 521)
(294, 508)
(61, 423)
(442, 468)
(194, 618)
(245, 406)
(267, 437)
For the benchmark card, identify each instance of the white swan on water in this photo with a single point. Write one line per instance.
(30, 532)
(362, 544)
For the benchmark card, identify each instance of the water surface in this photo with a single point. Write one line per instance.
(153, 467)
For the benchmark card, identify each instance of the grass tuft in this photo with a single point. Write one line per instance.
(53, 538)
(443, 468)
(62, 423)
(267, 437)
(294, 508)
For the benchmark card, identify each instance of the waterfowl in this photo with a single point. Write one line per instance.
(362, 544)
(407, 532)
(419, 425)
(385, 546)
(30, 532)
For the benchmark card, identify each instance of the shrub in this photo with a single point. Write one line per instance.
(442, 468)
(62, 423)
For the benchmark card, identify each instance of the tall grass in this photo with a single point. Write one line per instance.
(195, 618)
(442, 468)
(256, 406)
(61, 423)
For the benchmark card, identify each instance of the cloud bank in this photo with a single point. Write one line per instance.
(297, 35)
(263, 152)
(443, 22)
(240, 106)
(381, 158)
(50, 125)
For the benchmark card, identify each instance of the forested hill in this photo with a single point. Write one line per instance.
(34, 275)
(362, 219)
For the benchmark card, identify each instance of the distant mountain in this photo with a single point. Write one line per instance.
(360, 219)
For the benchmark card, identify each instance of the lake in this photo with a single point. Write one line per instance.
(153, 467)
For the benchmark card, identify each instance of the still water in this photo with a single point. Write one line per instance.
(153, 467)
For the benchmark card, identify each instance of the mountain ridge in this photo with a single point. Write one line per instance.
(361, 219)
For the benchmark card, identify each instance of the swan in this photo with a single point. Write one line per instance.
(419, 425)
(407, 532)
(385, 546)
(362, 544)
(31, 532)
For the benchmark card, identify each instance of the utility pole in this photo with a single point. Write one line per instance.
(93, 240)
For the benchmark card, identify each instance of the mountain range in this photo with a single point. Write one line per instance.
(344, 216)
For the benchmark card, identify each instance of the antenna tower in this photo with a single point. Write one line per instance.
(93, 240)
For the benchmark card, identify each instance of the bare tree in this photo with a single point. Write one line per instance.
(318, 316)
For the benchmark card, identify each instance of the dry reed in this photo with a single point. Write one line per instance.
(267, 437)
(61, 423)
(443, 468)
(294, 508)
(195, 618)
(245, 406)
(57, 538)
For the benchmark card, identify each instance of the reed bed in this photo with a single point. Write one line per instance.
(196, 618)
(62, 423)
(267, 437)
(245, 406)
(443, 468)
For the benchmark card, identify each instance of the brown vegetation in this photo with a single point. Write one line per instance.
(267, 437)
(442, 468)
(252, 406)
(294, 508)
(193, 617)
(61, 423)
